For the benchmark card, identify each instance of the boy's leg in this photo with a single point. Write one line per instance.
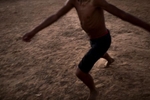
(108, 58)
(87, 79)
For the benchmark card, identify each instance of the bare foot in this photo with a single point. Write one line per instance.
(93, 95)
(109, 63)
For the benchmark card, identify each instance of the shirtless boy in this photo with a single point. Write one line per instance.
(91, 16)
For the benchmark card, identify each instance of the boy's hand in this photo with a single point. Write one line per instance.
(28, 36)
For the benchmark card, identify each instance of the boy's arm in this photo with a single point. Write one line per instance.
(67, 7)
(123, 15)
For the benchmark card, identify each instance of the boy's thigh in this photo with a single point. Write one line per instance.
(90, 58)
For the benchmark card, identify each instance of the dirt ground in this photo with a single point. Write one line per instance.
(44, 68)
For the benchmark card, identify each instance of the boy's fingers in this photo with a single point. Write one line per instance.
(26, 38)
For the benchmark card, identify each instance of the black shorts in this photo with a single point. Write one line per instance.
(98, 48)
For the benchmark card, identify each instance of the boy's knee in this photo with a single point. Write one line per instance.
(80, 73)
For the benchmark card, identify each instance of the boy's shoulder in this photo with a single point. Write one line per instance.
(70, 1)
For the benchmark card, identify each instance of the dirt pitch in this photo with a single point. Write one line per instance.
(44, 68)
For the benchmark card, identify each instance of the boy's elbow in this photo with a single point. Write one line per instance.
(123, 16)
(126, 17)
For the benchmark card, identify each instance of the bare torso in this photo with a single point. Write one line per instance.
(91, 18)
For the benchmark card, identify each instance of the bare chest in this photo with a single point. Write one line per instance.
(84, 9)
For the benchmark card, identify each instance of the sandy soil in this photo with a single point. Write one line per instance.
(44, 68)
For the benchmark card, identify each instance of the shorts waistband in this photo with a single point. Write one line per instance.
(107, 33)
